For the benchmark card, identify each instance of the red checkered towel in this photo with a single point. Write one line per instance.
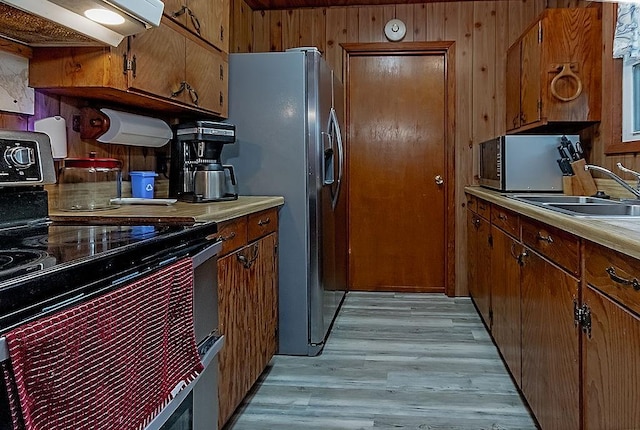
(110, 363)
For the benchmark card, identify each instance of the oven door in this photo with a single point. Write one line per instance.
(196, 406)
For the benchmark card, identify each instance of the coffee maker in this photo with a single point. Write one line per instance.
(197, 173)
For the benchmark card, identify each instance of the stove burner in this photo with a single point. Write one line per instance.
(14, 262)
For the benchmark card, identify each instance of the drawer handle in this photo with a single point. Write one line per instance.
(482, 207)
(615, 278)
(502, 217)
(229, 237)
(547, 238)
(264, 221)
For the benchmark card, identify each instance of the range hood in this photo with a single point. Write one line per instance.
(63, 22)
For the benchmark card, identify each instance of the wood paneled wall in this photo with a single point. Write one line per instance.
(482, 31)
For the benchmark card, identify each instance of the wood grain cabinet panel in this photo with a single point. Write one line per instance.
(550, 344)
(262, 223)
(484, 209)
(247, 307)
(233, 234)
(506, 220)
(205, 18)
(505, 300)
(556, 244)
(611, 369)
(613, 273)
(554, 70)
(164, 68)
(479, 249)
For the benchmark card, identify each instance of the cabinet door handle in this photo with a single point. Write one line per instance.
(566, 72)
(476, 222)
(183, 86)
(438, 180)
(228, 237)
(248, 262)
(502, 217)
(617, 279)
(542, 238)
(264, 221)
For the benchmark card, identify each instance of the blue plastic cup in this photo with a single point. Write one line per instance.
(142, 184)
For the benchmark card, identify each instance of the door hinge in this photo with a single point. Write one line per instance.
(582, 317)
(539, 106)
(129, 65)
(490, 241)
(490, 317)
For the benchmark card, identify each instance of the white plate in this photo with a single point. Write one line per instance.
(141, 201)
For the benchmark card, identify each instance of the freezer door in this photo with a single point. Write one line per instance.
(325, 295)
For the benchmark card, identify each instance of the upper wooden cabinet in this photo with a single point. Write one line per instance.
(165, 68)
(209, 19)
(554, 71)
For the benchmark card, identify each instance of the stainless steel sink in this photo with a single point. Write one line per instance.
(580, 206)
(558, 198)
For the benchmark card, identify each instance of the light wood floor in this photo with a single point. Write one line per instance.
(392, 361)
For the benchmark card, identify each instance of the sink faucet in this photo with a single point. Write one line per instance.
(618, 179)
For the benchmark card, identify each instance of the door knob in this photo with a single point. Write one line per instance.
(439, 180)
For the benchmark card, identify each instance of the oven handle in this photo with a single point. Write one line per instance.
(206, 253)
(4, 349)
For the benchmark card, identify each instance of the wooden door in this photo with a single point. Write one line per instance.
(160, 61)
(550, 368)
(611, 370)
(505, 300)
(396, 149)
(531, 91)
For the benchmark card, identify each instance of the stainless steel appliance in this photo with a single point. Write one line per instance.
(46, 268)
(287, 109)
(521, 163)
(197, 173)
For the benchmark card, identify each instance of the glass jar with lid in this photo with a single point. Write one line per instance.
(89, 184)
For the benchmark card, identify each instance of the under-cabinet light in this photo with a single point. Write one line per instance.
(104, 16)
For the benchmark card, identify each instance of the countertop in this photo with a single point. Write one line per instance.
(622, 235)
(177, 213)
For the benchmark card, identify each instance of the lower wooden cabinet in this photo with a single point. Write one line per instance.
(505, 299)
(479, 256)
(248, 310)
(610, 340)
(550, 344)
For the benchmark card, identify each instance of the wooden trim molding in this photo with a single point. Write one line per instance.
(446, 48)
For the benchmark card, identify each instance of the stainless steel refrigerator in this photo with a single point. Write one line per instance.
(288, 108)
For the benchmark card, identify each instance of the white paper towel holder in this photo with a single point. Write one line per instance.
(111, 126)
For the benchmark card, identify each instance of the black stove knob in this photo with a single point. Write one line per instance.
(19, 157)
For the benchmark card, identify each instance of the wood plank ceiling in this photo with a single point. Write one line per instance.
(295, 4)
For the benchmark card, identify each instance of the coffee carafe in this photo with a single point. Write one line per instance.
(197, 172)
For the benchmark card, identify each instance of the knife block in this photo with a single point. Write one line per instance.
(581, 183)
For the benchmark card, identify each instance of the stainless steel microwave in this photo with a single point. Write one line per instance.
(521, 163)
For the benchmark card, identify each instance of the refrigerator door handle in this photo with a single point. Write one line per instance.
(328, 157)
(333, 118)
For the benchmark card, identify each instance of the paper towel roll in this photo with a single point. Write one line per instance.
(130, 129)
(56, 128)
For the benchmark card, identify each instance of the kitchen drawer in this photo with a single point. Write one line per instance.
(472, 203)
(506, 220)
(233, 234)
(557, 245)
(614, 274)
(484, 209)
(262, 223)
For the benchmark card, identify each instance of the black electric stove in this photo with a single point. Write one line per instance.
(45, 266)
